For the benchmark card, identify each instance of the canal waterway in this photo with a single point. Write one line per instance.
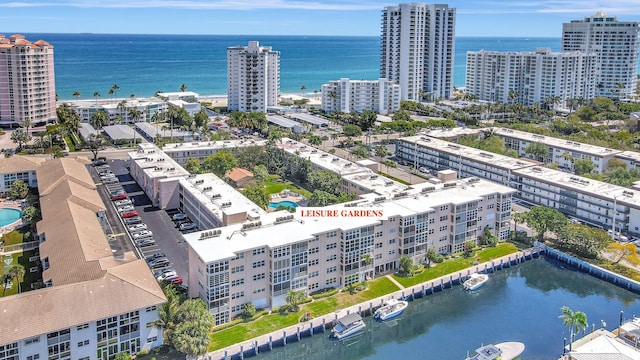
(521, 303)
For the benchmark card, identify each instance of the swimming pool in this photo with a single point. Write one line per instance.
(9, 216)
(285, 203)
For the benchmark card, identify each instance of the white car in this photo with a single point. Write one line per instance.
(179, 217)
(137, 228)
(126, 208)
(107, 175)
(166, 275)
(187, 226)
(123, 202)
(144, 234)
(110, 180)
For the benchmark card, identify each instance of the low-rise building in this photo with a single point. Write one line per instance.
(181, 152)
(18, 168)
(239, 177)
(94, 303)
(147, 108)
(381, 96)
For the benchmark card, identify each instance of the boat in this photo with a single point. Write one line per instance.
(390, 309)
(503, 351)
(475, 281)
(347, 325)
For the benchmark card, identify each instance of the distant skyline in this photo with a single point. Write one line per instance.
(529, 18)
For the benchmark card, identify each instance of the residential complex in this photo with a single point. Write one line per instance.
(616, 46)
(18, 168)
(417, 49)
(95, 303)
(253, 77)
(119, 112)
(344, 95)
(533, 76)
(27, 81)
(586, 199)
(253, 262)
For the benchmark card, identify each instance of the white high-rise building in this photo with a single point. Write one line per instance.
(533, 76)
(27, 81)
(616, 45)
(253, 77)
(381, 96)
(417, 48)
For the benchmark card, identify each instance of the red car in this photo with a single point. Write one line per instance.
(129, 214)
(176, 280)
(118, 197)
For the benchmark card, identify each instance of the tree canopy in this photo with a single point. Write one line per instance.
(219, 163)
(543, 219)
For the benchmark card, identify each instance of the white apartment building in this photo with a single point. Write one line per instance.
(181, 152)
(254, 263)
(253, 77)
(417, 49)
(381, 96)
(18, 168)
(616, 46)
(95, 303)
(534, 76)
(148, 109)
(27, 81)
(561, 151)
(589, 200)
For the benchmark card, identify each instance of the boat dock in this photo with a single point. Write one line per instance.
(319, 324)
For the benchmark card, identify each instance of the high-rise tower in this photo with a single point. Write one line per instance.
(616, 46)
(253, 77)
(27, 81)
(417, 49)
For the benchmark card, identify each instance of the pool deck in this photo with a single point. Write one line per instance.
(9, 204)
(295, 199)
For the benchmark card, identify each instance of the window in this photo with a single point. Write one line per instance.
(332, 257)
(391, 252)
(237, 308)
(314, 262)
(314, 250)
(392, 241)
(150, 308)
(83, 343)
(152, 339)
(37, 356)
(237, 295)
(331, 234)
(237, 282)
(313, 274)
(258, 277)
(331, 281)
(258, 251)
(237, 269)
(332, 246)
(33, 340)
(258, 264)
(332, 269)
(257, 291)
(378, 245)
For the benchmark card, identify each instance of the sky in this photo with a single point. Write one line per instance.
(529, 18)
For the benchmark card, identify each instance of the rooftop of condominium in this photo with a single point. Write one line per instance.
(155, 163)
(594, 188)
(211, 145)
(320, 158)
(460, 151)
(556, 142)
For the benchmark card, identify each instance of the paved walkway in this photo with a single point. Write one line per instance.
(296, 330)
(395, 281)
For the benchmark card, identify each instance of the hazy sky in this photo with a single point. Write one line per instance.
(290, 17)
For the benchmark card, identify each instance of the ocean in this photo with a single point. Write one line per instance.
(144, 64)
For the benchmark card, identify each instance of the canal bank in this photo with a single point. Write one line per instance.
(318, 325)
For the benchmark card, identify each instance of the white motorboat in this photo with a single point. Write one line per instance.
(502, 351)
(475, 281)
(347, 325)
(390, 309)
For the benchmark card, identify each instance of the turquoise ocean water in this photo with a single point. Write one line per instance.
(143, 64)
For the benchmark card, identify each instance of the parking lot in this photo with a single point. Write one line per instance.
(161, 237)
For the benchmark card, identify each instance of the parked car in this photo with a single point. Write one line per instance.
(159, 272)
(144, 234)
(125, 208)
(107, 176)
(176, 280)
(179, 217)
(99, 161)
(167, 275)
(129, 214)
(159, 262)
(423, 169)
(118, 196)
(154, 256)
(145, 242)
(187, 226)
(105, 172)
(137, 228)
(111, 180)
(133, 220)
(123, 202)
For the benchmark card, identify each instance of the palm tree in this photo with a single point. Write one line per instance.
(334, 136)
(135, 115)
(16, 271)
(315, 93)
(167, 314)
(96, 95)
(381, 151)
(294, 298)
(513, 95)
(576, 321)
(111, 92)
(183, 87)
(99, 119)
(115, 89)
(302, 89)
(26, 123)
(76, 94)
(122, 106)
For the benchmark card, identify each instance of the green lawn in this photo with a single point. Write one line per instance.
(275, 185)
(12, 238)
(453, 265)
(266, 324)
(29, 278)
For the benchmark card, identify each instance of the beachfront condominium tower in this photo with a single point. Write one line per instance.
(381, 96)
(616, 46)
(417, 48)
(253, 77)
(540, 77)
(27, 81)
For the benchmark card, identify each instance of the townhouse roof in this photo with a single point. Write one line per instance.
(16, 164)
(237, 174)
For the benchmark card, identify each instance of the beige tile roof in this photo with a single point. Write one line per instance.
(88, 282)
(19, 164)
(237, 174)
(127, 287)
